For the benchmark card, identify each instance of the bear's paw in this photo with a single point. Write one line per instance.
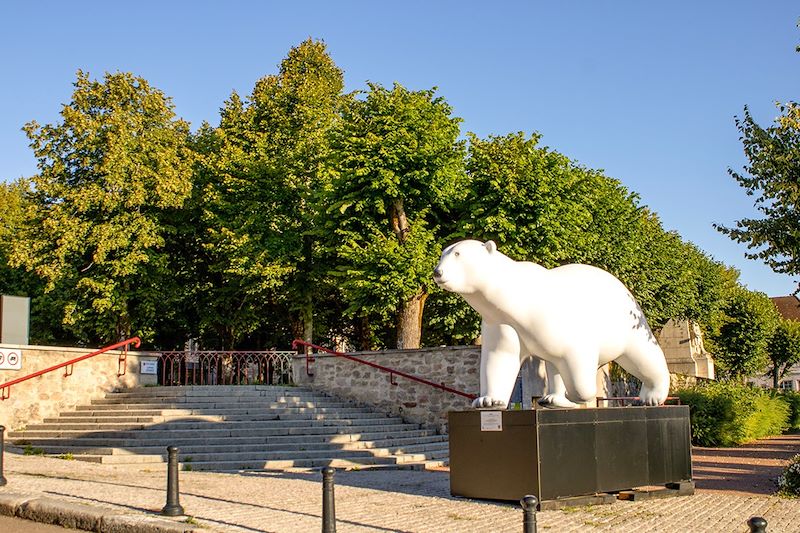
(487, 402)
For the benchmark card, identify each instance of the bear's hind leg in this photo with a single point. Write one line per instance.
(648, 364)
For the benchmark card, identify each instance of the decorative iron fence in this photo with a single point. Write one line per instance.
(225, 368)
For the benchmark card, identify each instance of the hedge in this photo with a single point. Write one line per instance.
(792, 398)
(726, 414)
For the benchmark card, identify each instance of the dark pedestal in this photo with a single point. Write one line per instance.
(558, 453)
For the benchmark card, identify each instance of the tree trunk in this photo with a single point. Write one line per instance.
(307, 316)
(775, 379)
(364, 334)
(409, 321)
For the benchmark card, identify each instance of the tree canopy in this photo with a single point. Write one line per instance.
(310, 212)
(399, 167)
(108, 172)
(772, 176)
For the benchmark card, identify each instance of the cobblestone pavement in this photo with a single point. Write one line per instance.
(371, 501)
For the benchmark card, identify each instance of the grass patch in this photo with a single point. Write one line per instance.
(30, 450)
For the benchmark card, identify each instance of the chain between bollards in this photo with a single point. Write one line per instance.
(529, 504)
(328, 510)
(757, 525)
(3, 479)
(173, 507)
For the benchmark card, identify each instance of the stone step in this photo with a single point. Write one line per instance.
(90, 440)
(276, 408)
(202, 400)
(170, 415)
(409, 453)
(160, 408)
(234, 428)
(433, 442)
(260, 417)
(219, 432)
(217, 390)
(346, 462)
(184, 424)
(218, 404)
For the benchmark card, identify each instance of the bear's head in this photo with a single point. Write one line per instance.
(465, 266)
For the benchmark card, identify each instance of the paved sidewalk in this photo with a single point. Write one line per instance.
(128, 499)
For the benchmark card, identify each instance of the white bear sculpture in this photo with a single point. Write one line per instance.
(574, 317)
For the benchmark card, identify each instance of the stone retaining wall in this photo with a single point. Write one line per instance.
(455, 366)
(47, 395)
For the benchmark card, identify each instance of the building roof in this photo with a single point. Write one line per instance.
(788, 306)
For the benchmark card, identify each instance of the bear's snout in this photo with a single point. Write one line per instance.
(437, 273)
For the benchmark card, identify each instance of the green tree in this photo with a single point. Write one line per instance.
(400, 166)
(261, 171)
(783, 349)
(540, 206)
(109, 171)
(740, 337)
(13, 281)
(772, 176)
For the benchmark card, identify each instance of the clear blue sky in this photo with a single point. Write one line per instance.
(645, 90)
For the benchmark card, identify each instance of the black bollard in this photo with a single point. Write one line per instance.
(328, 510)
(529, 504)
(757, 525)
(3, 479)
(173, 507)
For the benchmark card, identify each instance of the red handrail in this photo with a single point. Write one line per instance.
(391, 371)
(5, 388)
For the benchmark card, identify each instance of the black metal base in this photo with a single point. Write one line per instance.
(564, 453)
(172, 510)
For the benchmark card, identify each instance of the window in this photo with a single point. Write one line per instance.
(787, 385)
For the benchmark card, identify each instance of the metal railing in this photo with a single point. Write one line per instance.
(391, 371)
(5, 388)
(225, 367)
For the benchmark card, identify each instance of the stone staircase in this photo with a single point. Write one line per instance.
(229, 428)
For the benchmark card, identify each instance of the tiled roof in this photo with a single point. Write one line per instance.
(788, 306)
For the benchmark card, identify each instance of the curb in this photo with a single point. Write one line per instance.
(86, 517)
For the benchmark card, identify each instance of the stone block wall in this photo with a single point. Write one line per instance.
(47, 395)
(455, 366)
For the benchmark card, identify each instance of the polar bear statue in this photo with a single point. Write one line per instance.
(575, 317)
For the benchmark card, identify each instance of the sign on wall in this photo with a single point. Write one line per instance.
(148, 367)
(10, 359)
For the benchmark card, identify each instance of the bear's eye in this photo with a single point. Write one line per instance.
(456, 254)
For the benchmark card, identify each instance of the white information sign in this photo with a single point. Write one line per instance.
(10, 360)
(491, 421)
(148, 367)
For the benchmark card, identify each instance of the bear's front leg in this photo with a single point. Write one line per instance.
(500, 363)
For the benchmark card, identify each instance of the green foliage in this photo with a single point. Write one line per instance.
(792, 399)
(31, 450)
(741, 336)
(540, 206)
(789, 480)
(727, 413)
(310, 213)
(399, 164)
(94, 232)
(259, 177)
(771, 176)
(783, 349)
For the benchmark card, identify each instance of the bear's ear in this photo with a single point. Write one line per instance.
(490, 246)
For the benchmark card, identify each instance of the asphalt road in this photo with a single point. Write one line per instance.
(18, 525)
